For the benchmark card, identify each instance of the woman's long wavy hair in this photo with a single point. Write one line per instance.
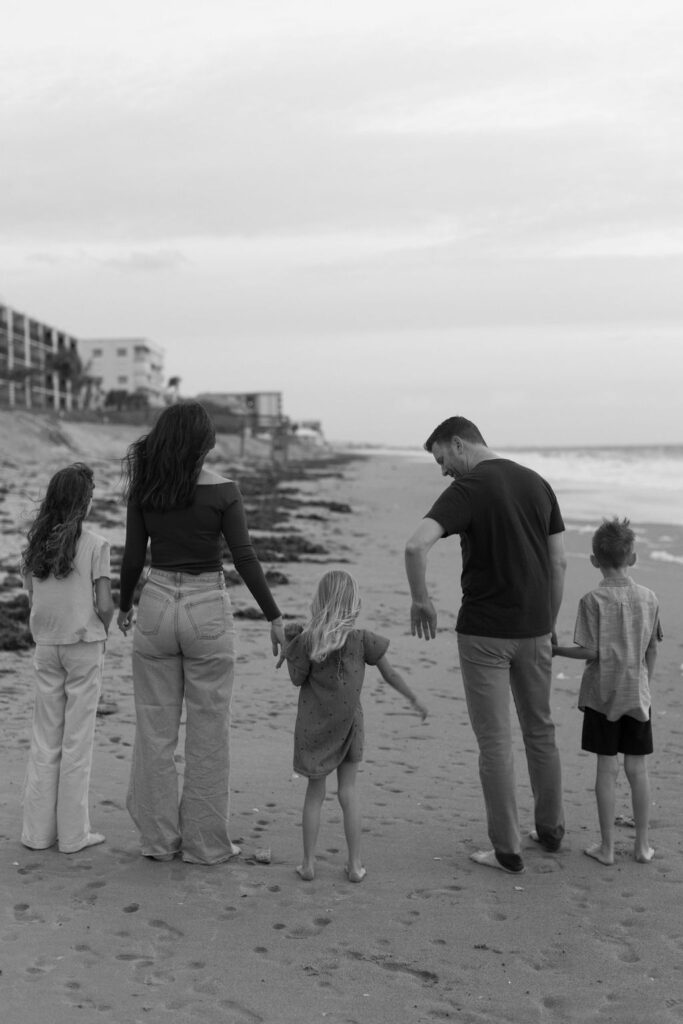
(54, 533)
(160, 470)
(334, 611)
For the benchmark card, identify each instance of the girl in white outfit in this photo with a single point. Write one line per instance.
(66, 572)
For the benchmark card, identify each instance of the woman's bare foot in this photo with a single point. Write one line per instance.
(643, 855)
(306, 873)
(355, 874)
(93, 839)
(597, 852)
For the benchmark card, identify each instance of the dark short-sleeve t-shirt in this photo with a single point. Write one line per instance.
(504, 514)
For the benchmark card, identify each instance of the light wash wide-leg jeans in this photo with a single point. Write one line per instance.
(183, 650)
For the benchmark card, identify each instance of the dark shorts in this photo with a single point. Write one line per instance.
(625, 736)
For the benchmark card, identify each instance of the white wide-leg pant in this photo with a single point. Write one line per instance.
(68, 683)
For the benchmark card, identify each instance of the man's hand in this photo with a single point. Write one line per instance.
(423, 619)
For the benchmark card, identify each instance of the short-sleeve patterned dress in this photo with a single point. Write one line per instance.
(329, 721)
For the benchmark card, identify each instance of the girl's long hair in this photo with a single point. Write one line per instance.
(334, 610)
(160, 470)
(53, 536)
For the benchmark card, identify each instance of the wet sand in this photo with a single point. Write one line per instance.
(108, 936)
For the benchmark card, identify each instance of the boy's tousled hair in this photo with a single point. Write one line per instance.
(613, 543)
(334, 610)
(454, 426)
(160, 470)
(54, 533)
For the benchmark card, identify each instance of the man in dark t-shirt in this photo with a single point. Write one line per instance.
(513, 563)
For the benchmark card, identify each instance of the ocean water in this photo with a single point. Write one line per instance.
(643, 483)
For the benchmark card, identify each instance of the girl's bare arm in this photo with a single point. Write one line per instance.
(104, 603)
(394, 678)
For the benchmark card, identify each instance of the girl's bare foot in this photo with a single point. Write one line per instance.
(306, 873)
(355, 874)
(597, 852)
(644, 855)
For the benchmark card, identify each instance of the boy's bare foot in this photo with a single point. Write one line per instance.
(93, 839)
(489, 860)
(355, 874)
(598, 853)
(307, 874)
(643, 856)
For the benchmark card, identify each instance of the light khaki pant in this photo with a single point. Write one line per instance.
(492, 669)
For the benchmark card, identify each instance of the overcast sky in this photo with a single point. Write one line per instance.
(390, 210)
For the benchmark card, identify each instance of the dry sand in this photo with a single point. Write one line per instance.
(108, 936)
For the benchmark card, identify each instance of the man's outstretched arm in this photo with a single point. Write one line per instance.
(422, 611)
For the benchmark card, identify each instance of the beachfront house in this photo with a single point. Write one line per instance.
(250, 413)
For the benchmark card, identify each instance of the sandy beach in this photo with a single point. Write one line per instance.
(109, 936)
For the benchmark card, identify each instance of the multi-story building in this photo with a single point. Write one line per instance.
(131, 365)
(256, 411)
(39, 365)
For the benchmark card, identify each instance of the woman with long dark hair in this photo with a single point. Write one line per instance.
(183, 644)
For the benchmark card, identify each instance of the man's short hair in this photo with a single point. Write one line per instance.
(452, 427)
(613, 543)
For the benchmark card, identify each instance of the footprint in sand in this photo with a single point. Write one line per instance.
(240, 1014)
(28, 869)
(428, 894)
(396, 966)
(87, 894)
(167, 931)
(23, 913)
(306, 931)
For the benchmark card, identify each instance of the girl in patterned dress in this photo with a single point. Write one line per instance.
(327, 659)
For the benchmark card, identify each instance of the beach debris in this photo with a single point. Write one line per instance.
(14, 631)
(262, 856)
(247, 613)
(106, 706)
(274, 576)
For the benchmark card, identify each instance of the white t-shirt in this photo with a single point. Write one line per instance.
(63, 611)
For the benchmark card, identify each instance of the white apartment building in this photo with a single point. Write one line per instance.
(133, 365)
